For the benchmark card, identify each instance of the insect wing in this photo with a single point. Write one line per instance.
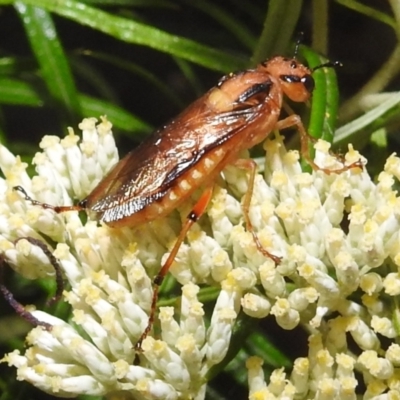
(147, 172)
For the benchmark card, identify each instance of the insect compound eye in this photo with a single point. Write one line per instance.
(308, 82)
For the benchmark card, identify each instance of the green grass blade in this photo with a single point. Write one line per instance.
(232, 24)
(372, 120)
(119, 117)
(144, 73)
(369, 12)
(17, 92)
(325, 98)
(134, 32)
(50, 55)
(279, 25)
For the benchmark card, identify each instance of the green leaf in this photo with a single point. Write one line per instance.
(369, 12)
(229, 22)
(134, 32)
(140, 71)
(119, 117)
(279, 25)
(325, 98)
(258, 343)
(18, 92)
(11, 65)
(371, 120)
(133, 3)
(50, 55)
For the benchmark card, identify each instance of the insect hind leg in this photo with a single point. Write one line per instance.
(197, 211)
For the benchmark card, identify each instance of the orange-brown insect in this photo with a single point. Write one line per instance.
(191, 151)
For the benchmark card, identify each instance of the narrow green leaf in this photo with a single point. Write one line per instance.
(119, 117)
(50, 55)
(133, 3)
(320, 26)
(369, 12)
(325, 98)
(18, 92)
(250, 9)
(141, 34)
(279, 25)
(9, 65)
(140, 71)
(356, 127)
(258, 343)
(230, 23)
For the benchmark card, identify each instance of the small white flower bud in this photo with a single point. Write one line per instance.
(378, 367)
(255, 306)
(286, 317)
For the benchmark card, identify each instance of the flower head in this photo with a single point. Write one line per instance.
(330, 278)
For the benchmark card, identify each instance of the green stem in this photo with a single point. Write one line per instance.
(320, 26)
(279, 25)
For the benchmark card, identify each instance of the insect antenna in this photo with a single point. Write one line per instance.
(298, 42)
(57, 209)
(329, 64)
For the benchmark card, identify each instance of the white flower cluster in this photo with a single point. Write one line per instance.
(337, 235)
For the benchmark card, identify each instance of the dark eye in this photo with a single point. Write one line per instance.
(308, 82)
(293, 64)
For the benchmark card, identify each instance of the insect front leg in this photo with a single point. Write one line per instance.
(197, 211)
(251, 167)
(305, 139)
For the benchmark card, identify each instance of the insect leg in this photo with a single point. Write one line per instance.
(9, 297)
(18, 307)
(251, 166)
(55, 264)
(194, 215)
(305, 139)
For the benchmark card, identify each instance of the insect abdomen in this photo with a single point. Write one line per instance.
(202, 173)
